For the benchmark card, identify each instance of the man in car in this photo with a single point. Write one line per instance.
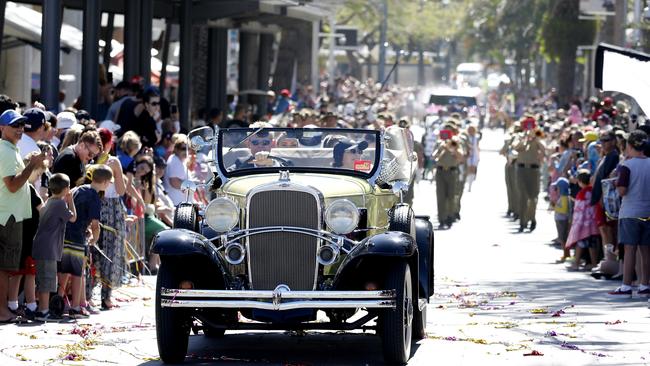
(260, 145)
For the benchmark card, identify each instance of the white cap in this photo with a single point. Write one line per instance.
(65, 120)
(109, 125)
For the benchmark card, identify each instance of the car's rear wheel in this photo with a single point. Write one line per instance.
(396, 330)
(186, 217)
(172, 324)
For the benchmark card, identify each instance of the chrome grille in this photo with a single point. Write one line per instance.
(282, 257)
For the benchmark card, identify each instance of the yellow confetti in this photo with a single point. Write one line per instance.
(539, 311)
(33, 337)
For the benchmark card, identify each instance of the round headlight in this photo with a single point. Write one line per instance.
(222, 214)
(342, 216)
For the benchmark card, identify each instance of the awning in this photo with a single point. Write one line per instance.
(24, 24)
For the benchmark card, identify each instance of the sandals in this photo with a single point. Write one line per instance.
(11, 320)
(106, 306)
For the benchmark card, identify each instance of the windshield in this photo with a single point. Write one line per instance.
(452, 100)
(348, 151)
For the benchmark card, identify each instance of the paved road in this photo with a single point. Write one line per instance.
(499, 296)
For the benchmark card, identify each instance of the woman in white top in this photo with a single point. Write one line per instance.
(176, 171)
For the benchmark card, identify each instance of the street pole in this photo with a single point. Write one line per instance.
(382, 41)
(332, 42)
(619, 22)
(637, 23)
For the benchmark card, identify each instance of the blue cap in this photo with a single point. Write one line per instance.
(562, 185)
(35, 119)
(11, 117)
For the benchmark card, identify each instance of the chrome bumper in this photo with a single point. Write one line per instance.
(277, 300)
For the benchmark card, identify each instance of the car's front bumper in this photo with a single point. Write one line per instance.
(276, 299)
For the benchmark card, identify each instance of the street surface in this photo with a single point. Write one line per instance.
(499, 296)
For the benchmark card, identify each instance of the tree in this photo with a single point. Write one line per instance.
(413, 26)
(561, 34)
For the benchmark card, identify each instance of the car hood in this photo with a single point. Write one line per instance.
(331, 186)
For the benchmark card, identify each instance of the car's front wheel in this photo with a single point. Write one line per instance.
(172, 324)
(397, 324)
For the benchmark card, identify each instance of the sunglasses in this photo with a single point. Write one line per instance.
(91, 154)
(20, 124)
(355, 151)
(155, 104)
(181, 147)
(260, 142)
(606, 140)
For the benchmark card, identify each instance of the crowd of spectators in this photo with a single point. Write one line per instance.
(123, 176)
(596, 174)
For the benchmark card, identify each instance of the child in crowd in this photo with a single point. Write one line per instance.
(75, 248)
(27, 264)
(584, 227)
(48, 241)
(562, 212)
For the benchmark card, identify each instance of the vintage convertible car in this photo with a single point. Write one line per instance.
(307, 229)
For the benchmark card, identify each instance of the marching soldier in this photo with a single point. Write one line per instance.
(448, 157)
(531, 151)
(511, 161)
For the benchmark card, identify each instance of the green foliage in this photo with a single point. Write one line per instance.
(562, 32)
(410, 22)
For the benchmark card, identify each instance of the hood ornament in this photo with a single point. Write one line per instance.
(284, 176)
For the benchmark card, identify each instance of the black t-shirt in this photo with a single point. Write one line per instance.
(89, 208)
(126, 117)
(604, 169)
(145, 127)
(69, 163)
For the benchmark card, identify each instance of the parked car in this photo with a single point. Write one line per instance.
(302, 220)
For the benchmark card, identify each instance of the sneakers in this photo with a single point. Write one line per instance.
(643, 291)
(621, 291)
(47, 317)
(30, 315)
(81, 313)
(91, 309)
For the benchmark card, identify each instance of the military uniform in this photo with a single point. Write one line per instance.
(527, 172)
(511, 183)
(447, 158)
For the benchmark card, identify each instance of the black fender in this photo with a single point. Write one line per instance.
(372, 254)
(424, 238)
(179, 245)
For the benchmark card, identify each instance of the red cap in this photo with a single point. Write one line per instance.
(529, 123)
(608, 101)
(285, 92)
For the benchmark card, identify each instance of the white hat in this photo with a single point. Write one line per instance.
(65, 120)
(109, 125)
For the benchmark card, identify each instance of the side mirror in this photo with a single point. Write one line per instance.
(197, 142)
(200, 137)
(400, 187)
(188, 186)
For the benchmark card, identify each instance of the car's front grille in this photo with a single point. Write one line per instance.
(282, 257)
